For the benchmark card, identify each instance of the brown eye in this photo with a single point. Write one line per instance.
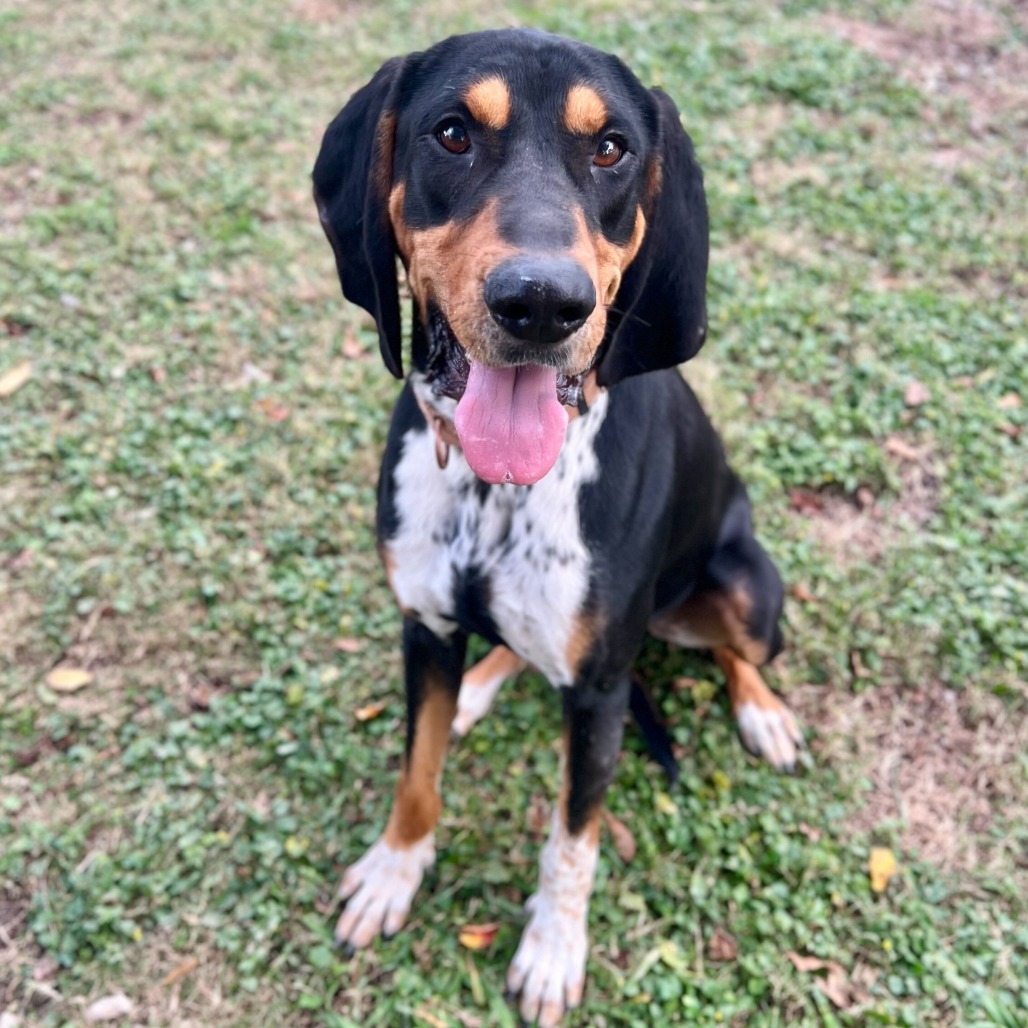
(454, 137)
(608, 153)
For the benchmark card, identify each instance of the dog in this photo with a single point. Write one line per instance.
(549, 482)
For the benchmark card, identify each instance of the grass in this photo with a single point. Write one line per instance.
(186, 506)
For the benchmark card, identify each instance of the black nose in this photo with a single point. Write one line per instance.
(540, 299)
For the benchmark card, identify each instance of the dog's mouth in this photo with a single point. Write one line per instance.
(510, 420)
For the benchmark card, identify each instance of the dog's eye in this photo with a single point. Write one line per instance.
(609, 152)
(454, 136)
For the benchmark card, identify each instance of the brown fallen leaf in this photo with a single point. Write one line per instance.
(916, 394)
(882, 867)
(68, 679)
(683, 683)
(723, 946)
(624, 840)
(806, 501)
(272, 409)
(370, 711)
(865, 497)
(429, 1018)
(46, 968)
(352, 347)
(109, 1008)
(800, 592)
(478, 936)
(902, 449)
(178, 973)
(1009, 401)
(835, 985)
(14, 378)
(348, 645)
(1010, 430)
(811, 833)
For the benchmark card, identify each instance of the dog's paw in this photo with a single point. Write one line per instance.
(378, 890)
(473, 704)
(548, 970)
(479, 686)
(770, 731)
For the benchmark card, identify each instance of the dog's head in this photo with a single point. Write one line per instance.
(551, 217)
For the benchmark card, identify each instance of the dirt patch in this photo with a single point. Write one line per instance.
(319, 12)
(860, 528)
(962, 50)
(944, 766)
(15, 950)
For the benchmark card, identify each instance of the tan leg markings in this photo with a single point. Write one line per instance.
(481, 683)
(710, 620)
(548, 969)
(379, 888)
(766, 725)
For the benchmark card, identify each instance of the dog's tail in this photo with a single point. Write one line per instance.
(654, 730)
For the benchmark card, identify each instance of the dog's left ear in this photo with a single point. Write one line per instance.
(659, 317)
(352, 179)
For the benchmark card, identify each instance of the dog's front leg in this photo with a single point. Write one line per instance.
(549, 967)
(380, 886)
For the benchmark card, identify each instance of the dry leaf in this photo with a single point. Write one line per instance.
(352, 348)
(624, 840)
(802, 963)
(835, 985)
(429, 1018)
(1009, 401)
(348, 645)
(272, 409)
(68, 679)
(916, 394)
(802, 593)
(178, 973)
(478, 936)
(11, 381)
(899, 448)
(45, 969)
(683, 682)
(664, 804)
(881, 866)
(865, 497)
(370, 710)
(806, 501)
(722, 946)
(110, 1008)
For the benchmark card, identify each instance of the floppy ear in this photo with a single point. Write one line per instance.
(662, 299)
(352, 178)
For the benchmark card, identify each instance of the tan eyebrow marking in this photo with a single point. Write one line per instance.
(489, 102)
(585, 113)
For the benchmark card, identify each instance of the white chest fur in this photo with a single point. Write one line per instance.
(526, 541)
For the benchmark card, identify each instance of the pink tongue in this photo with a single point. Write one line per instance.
(509, 422)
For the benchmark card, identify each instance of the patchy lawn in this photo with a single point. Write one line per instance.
(187, 467)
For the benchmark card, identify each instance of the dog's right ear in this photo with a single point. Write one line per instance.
(352, 178)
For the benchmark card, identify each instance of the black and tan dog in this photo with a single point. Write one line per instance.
(550, 482)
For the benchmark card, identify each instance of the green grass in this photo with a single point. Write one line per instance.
(186, 509)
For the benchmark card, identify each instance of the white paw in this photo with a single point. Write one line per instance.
(548, 969)
(473, 704)
(771, 733)
(379, 889)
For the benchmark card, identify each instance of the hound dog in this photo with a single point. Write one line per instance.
(549, 482)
